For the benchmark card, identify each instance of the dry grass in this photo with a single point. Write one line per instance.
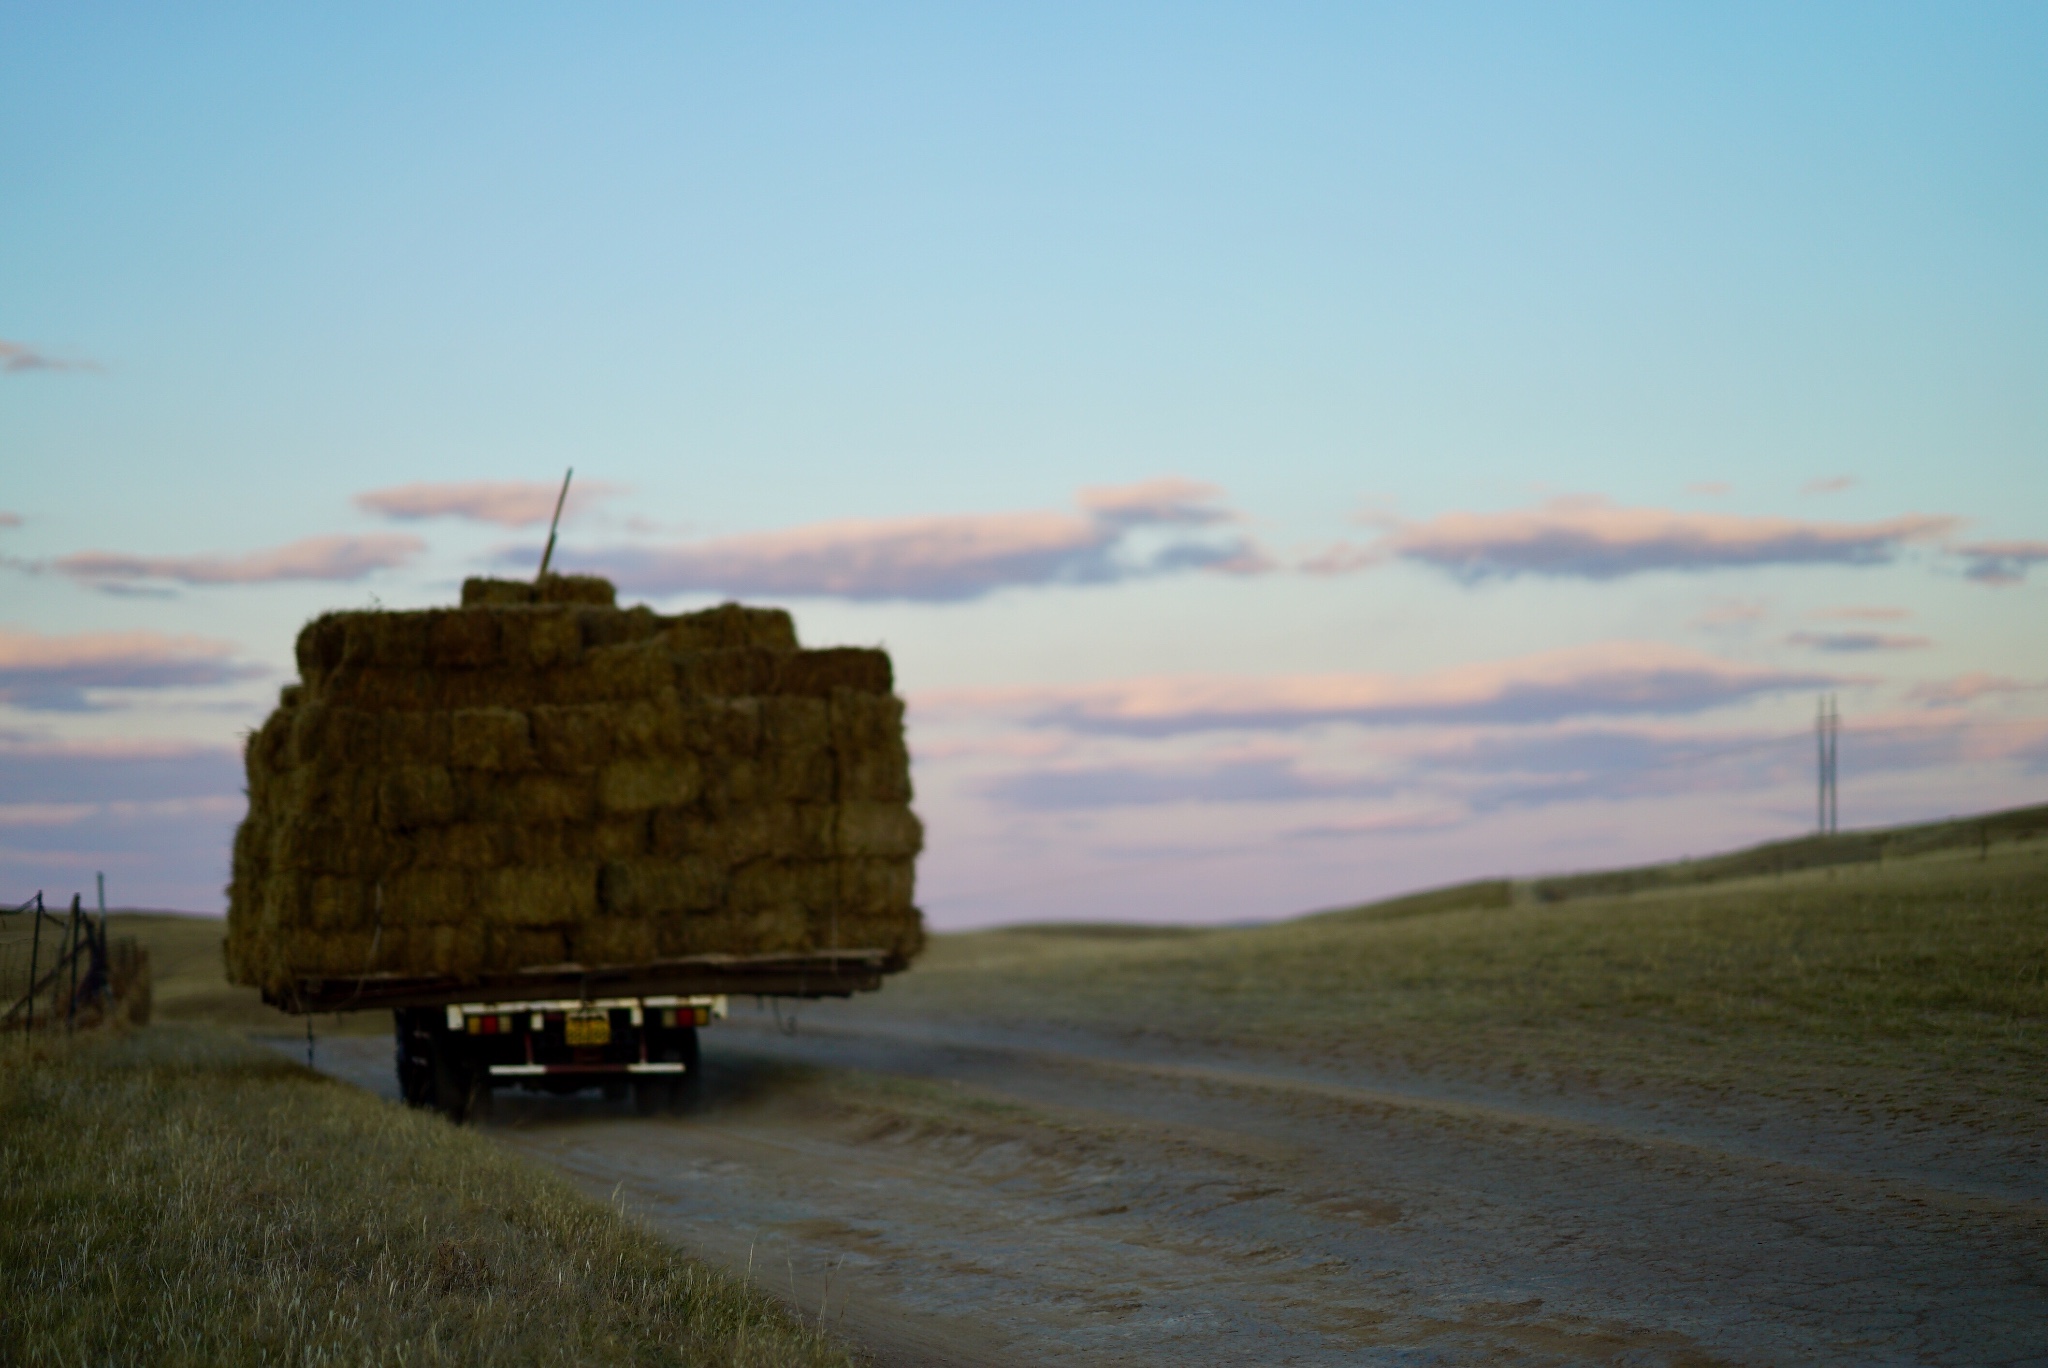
(177, 1197)
(189, 981)
(1912, 986)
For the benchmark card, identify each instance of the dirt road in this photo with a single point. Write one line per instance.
(977, 1198)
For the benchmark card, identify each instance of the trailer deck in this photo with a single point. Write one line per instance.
(822, 973)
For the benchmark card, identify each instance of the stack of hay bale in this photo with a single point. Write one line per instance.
(540, 777)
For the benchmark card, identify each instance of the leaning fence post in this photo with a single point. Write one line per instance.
(71, 942)
(35, 948)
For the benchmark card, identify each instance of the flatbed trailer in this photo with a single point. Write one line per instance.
(566, 1027)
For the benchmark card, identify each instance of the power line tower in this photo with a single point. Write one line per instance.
(1827, 733)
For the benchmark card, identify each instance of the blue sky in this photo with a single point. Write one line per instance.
(1293, 453)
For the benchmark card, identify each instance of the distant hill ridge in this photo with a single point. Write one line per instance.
(1869, 846)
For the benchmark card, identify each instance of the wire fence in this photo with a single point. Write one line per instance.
(62, 971)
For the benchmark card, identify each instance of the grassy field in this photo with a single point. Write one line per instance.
(1917, 985)
(176, 1196)
(179, 1196)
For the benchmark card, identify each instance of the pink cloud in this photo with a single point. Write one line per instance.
(1849, 642)
(16, 358)
(504, 503)
(69, 814)
(1831, 484)
(1968, 688)
(54, 672)
(1590, 538)
(330, 558)
(948, 556)
(1610, 679)
(1167, 500)
(9, 519)
(2002, 563)
(158, 817)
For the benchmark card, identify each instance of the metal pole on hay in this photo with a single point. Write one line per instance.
(554, 522)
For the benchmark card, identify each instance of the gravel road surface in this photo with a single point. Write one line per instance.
(975, 1197)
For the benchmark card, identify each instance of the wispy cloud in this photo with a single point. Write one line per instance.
(1590, 538)
(158, 818)
(9, 519)
(70, 814)
(2002, 562)
(1615, 678)
(1856, 642)
(1261, 780)
(1709, 489)
(1967, 688)
(1117, 533)
(1829, 484)
(331, 558)
(16, 358)
(55, 673)
(1439, 778)
(502, 503)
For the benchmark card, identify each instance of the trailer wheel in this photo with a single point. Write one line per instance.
(654, 1095)
(455, 1086)
(672, 1092)
(415, 1073)
(690, 1087)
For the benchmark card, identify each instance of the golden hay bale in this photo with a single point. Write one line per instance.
(618, 838)
(628, 786)
(770, 931)
(614, 940)
(530, 799)
(537, 895)
(717, 728)
(876, 885)
(461, 845)
(587, 735)
(539, 638)
(490, 739)
(462, 639)
(427, 897)
(498, 593)
(730, 625)
(787, 830)
(412, 738)
(519, 947)
(773, 883)
(870, 760)
(418, 795)
(877, 829)
(466, 787)
(655, 888)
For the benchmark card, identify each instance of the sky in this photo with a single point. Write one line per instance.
(1294, 454)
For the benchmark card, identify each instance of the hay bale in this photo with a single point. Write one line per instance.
(540, 775)
(497, 593)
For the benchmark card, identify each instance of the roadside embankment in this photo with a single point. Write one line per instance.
(178, 1196)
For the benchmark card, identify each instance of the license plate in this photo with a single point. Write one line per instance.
(588, 1028)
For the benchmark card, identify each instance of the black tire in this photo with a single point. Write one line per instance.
(453, 1087)
(654, 1094)
(415, 1077)
(689, 1094)
(658, 1093)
